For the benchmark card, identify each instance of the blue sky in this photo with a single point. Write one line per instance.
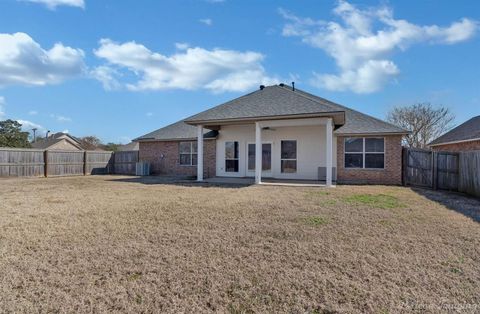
(119, 69)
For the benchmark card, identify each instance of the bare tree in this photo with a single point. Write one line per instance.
(90, 142)
(424, 121)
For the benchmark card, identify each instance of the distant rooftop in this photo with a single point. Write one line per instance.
(467, 131)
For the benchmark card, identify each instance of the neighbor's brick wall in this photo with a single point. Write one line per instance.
(170, 163)
(458, 147)
(392, 174)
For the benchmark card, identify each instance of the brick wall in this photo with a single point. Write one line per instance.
(170, 163)
(391, 174)
(458, 147)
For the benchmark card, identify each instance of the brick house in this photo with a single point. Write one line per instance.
(464, 137)
(289, 133)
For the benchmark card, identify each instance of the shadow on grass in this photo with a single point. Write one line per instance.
(179, 181)
(461, 203)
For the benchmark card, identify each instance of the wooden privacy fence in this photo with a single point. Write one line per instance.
(454, 171)
(21, 162)
(124, 162)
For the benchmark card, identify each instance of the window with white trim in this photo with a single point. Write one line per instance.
(288, 156)
(365, 152)
(188, 153)
(231, 156)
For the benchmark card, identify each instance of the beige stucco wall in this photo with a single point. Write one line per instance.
(311, 149)
(63, 145)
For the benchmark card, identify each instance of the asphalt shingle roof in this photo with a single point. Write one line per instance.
(469, 130)
(44, 143)
(276, 100)
(271, 101)
(357, 122)
(176, 131)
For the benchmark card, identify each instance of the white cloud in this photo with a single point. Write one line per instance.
(24, 61)
(26, 125)
(366, 79)
(2, 107)
(107, 75)
(182, 46)
(195, 68)
(207, 22)
(362, 41)
(53, 4)
(149, 114)
(60, 118)
(29, 125)
(33, 112)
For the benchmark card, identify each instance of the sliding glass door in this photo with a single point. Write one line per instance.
(266, 158)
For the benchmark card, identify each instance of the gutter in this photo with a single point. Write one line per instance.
(261, 118)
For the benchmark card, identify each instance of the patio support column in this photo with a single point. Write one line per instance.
(258, 153)
(200, 153)
(329, 141)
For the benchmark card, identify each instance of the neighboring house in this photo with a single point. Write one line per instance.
(128, 147)
(464, 137)
(58, 141)
(292, 134)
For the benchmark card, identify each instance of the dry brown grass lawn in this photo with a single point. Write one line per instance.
(94, 244)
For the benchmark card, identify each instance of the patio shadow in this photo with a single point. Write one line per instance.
(461, 203)
(179, 181)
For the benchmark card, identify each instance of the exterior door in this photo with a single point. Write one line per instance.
(266, 159)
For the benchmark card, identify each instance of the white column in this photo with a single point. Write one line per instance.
(329, 141)
(200, 153)
(258, 153)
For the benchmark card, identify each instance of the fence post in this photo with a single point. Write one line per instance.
(405, 165)
(85, 163)
(45, 161)
(111, 164)
(434, 170)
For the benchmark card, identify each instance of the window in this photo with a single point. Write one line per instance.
(288, 157)
(365, 153)
(188, 153)
(266, 157)
(231, 156)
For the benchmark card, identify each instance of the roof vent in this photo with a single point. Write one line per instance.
(281, 84)
(293, 86)
(262, 87)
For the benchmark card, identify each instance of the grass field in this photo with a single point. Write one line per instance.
(109, 243)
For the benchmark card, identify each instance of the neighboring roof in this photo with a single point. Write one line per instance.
(176, 131)
(129, 147)
(64, 135)
(45, 143)
(467, 131)
(42, 143)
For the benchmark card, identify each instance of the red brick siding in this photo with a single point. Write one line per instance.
(170, 163)
(458, 147)
(392, 174)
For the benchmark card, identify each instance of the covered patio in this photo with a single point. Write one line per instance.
(315, 148)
